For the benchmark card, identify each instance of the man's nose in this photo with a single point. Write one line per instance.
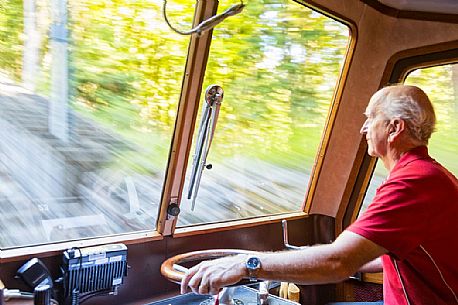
(363, 129)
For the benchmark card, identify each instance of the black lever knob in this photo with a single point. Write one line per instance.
(42, 295)
(173, 209)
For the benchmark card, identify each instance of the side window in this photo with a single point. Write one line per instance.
(88, 99)
(441, 85)
(278, 63)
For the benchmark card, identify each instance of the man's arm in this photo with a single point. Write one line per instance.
(314, 265)
(321, 264)
(372, 266)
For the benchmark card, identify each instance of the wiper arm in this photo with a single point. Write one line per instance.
(213, 98)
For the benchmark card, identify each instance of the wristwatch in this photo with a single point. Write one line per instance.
(253, 265)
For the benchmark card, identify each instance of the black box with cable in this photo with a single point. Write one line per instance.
(91, 271)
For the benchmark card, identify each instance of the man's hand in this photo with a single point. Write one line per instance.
(330, 263)
(209, 277)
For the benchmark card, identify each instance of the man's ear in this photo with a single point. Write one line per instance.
(396, 128)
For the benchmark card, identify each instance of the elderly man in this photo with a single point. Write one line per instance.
(409, 229)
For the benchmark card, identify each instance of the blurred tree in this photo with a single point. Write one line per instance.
(11, 29)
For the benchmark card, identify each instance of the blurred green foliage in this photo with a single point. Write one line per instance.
(11, 27)
(278, 62)
(441, 85)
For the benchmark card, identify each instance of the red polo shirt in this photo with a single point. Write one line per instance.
(414, 216)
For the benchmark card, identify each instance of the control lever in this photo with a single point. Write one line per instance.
(263, 293)
(286, 244)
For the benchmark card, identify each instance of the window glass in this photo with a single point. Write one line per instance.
(278, 63)
(88, 99)
(441, 85)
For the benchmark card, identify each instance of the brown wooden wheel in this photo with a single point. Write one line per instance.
(174, 275)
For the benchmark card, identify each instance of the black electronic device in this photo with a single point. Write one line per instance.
(91, 271)
(35, 273)
(42, 295)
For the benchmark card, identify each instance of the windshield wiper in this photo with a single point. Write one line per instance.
(210, 112)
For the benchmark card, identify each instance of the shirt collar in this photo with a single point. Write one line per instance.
(419, 152)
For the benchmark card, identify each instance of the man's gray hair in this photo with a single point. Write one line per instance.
(411, 104)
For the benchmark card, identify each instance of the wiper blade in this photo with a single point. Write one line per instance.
(210, 112)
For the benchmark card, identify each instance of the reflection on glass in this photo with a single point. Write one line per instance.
(278, 63)
(88, 97)
(440, 84)
(379, 175)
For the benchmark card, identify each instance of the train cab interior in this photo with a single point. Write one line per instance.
(132, 132)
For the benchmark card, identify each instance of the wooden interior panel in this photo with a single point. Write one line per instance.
(144, 282)
(379, 38)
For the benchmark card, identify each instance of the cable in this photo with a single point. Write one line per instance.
(75, 297)
(85, 297)
(206, 24)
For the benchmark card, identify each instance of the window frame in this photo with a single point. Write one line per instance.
(315, 170)
(181, 142)
(179, 150)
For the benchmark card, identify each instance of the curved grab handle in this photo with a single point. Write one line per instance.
(286, 244)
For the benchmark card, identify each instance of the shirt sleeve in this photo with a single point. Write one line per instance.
(397, 217)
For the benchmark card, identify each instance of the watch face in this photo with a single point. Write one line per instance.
(253, 263)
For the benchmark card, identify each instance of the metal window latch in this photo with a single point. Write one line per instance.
(173, 209)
